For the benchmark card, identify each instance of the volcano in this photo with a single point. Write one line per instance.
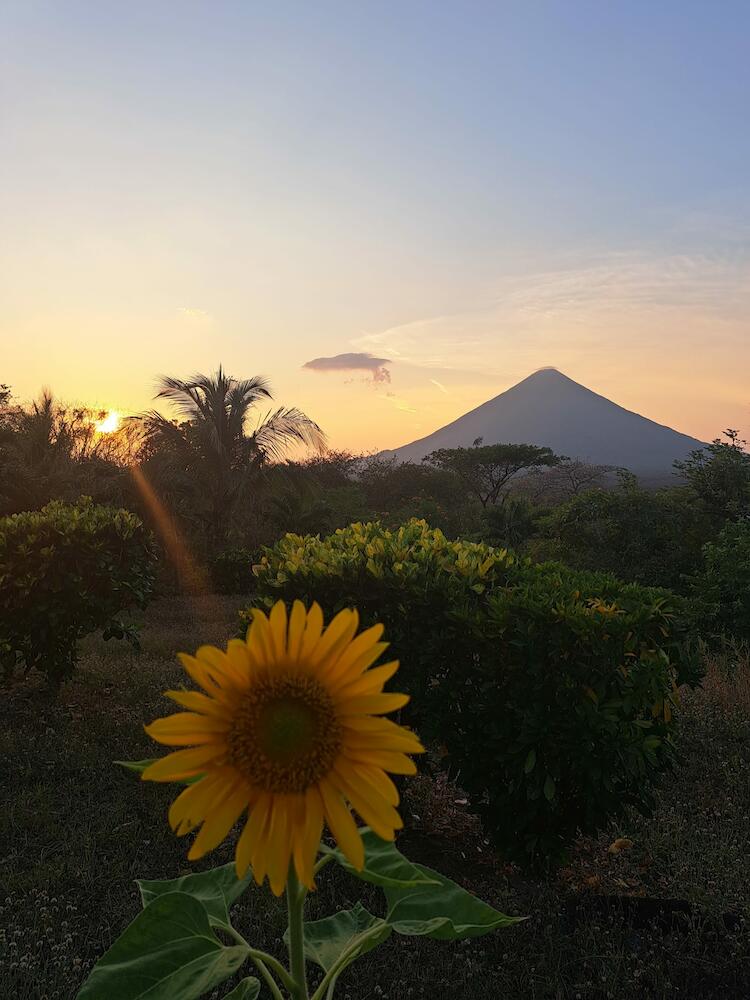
(548, 408)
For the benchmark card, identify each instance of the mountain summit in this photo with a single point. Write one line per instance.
(548, 408)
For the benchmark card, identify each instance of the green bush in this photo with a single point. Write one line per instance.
(66, 571)
(651, 537)
(232, 571)
(723, 585)
(550, 690)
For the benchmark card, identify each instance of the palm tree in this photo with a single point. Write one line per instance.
(209, 458)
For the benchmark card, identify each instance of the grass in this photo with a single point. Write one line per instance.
(665, 917)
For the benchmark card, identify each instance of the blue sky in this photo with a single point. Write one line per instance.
(469, 190)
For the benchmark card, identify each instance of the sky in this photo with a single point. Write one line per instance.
(393, 210)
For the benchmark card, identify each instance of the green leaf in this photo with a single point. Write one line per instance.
(355, 930)
(549, 788)
(442, 910)
(168, 951)
(139, 766)
(528, 767)
(216, 890)
(248, 989)
(384, 864)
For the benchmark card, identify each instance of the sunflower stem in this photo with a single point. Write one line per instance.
(295, 897)
(262, 961)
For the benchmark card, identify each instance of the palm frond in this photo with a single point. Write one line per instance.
(283, 428)
(187, 395)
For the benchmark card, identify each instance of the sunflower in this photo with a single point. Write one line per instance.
(288, 727)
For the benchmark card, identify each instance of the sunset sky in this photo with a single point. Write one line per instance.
(434, 198)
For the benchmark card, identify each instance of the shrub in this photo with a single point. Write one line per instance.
(232, 571)
(652, 537)
(510, 523)
(550, 690)
(723, 585)
(66, 571)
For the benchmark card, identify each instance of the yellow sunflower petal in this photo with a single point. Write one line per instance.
(341, 825)
(182, 763)
(187, 729)
(277, 621)
(374, 810)
(261, 854)
(313, 630)
(239, 656)
(297, 620)
(339, 675)
(197, 702)
(365, 648)
(307, 841)
(364, 742)
(374, 776)
(198, 672)
(248, 842)
(280, 844)
(373, 704)
(220, 820)
(365, 641)
(339, 632)
(191, 806)
(259, 640)
(219, 665)
(381, 726)
(371, 682)
(396, 763)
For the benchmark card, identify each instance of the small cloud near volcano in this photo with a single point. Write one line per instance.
(353, 362)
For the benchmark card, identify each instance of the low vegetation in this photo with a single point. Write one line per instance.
(67, 571)
(584, 667)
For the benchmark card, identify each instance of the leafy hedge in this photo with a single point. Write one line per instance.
(66, 571)
(550, 690)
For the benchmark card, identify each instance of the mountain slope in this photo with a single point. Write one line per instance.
(548, 408)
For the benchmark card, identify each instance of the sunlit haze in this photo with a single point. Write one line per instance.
(393, 211)
(109, 424)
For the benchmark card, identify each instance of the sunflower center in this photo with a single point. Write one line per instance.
(285, 735)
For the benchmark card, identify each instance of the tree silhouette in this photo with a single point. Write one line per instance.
(211, 456)
(488, 469)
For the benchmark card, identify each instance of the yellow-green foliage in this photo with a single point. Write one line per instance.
(406, 553)
(65, 571)
(552, 690)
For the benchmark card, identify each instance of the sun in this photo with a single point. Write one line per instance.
(110, 423)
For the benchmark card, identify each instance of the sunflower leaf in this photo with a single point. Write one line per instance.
(441, 909)
(248, 989)
(169, 950)
(139, 766)
(354, 931)
(216, 889)
(384, 864)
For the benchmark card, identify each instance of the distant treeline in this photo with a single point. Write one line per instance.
(222, 482)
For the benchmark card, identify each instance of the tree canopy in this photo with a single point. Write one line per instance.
(487, 469)
(206, 461)
(720, 475)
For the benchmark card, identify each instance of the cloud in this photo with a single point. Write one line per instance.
(617, 303)
(195, 315)
(353, 362)
(440, 385)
